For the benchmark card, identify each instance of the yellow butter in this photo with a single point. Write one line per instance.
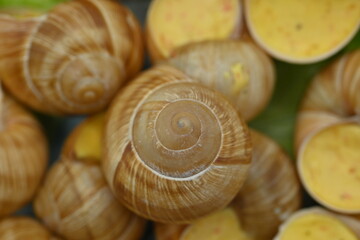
(330, 166)
(174, 23)
(316, 227)
(303, 29)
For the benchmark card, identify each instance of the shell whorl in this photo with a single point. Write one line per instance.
(271, 193)
(23, 156)
(172, 146)
(331, 98)
(73, 59)
(238, 69)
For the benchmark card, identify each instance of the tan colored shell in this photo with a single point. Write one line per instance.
(156, 55)
(20, 228)
(76, 202)
(331, 99)
(175, 150)
(271, 193)
(23, 155)
(350, 222)
(238, 69)
(73, 59)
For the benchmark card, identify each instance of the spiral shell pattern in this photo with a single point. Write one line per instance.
(23, 156)
(238, 69)
(333, 97)
(175, 150)
(19, 228)
(73, 59)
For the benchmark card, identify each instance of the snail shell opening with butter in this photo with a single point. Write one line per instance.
(328, 136)
(174, 150)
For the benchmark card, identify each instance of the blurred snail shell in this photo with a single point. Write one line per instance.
(174, 150)
(23, 155)
(270, 194)
(81, 205)
(20, 228)
(329, 120)
(238, 69)
(73, 59)
(318, 223)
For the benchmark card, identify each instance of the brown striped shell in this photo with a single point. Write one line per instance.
(174, 150)
(76, 202)
(20, 228)
(238, 69)
(23, 155)
(332, 100)
(73, 59)
(270, 194)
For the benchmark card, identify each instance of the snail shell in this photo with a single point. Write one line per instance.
(332, 103)
(81, 205)
(238, 69)
(20, 228)
(73, 59)
(175, 150)
(270, 194)
(23, 155)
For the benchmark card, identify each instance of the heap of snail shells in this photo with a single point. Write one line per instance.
(23, 155)
(174, 150)
(238, 69)
(20, 228)
(73, 59)
(331, 108)
(81, 205)
(270, 194)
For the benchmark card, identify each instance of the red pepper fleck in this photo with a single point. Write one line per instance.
(323, 228)
(352, 170)
(217, 230)
(227, 6)
(168, 17)
(345, 196)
